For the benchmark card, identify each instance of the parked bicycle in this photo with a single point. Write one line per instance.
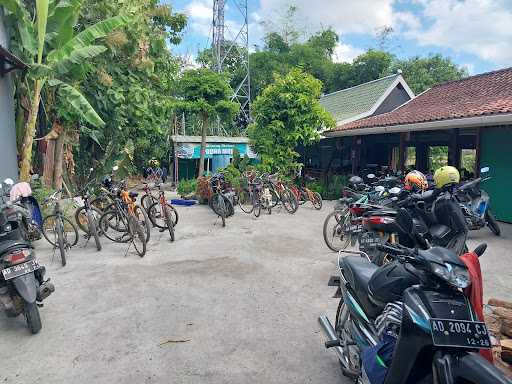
(120, 224)
(220, 201)
(149, 198)
(162, 214)
(304, 194)
(57, 229)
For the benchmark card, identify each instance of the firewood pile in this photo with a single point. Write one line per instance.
(498, 318)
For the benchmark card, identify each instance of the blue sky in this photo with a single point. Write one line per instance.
(476, 34)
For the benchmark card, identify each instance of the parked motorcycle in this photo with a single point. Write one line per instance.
(437, 220)
(22, 284)
(408, 321)
(475, 204)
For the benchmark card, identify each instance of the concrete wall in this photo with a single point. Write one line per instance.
(8, 160)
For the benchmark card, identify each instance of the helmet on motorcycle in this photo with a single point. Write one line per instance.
(107, 182)
(415, 180)
(446, 176)
(154, 163)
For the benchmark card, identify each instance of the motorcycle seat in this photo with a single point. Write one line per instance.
(381, 212)
(358, 272)
(8, 245)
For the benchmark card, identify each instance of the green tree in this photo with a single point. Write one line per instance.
(370, 66)
(206, 93)
(422, 73)
(131, 85)
(287, 114)
(50, 24)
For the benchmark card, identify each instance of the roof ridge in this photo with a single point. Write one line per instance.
(474, 76)
(359, 85)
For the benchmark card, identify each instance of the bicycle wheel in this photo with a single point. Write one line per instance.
(174, 214)
(274, 196)
(317, 201)
(93, 229)
(81, 218)
(245, 202)
(49, 230)
(110, 230)
(335, 231)
(219, 207)
(137, 235)
(143, 218)
(147, 201)
(61, 242)
(256, 203)
(169, 221)
(289, 201)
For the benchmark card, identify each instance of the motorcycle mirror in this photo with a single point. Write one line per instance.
(370, 176)
(484, 170)
(8, 181)
(394, 191)
(115, 168)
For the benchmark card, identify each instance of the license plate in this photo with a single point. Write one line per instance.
(20, 269)
(355, 228)
(369, 239)
(460, 333)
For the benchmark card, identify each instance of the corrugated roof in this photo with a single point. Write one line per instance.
(351, 102)
(481, 95)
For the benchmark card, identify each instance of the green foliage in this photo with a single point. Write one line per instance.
(334, 187)
(187, 187)
(285, 115)
(422, 73)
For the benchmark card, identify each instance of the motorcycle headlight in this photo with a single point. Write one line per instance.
(453, 274)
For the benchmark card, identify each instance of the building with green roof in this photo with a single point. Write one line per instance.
(368, 99)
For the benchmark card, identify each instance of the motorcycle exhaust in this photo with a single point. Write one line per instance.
(332, 340)
(45, 290)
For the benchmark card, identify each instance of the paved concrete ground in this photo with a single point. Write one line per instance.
(244, 301)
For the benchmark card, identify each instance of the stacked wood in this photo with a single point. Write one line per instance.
(499, 324)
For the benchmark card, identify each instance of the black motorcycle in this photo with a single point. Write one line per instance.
(22, 284)
(408, 321)
(437, 221)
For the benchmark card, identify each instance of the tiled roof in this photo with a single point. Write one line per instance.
(486, 94)
(354, 101)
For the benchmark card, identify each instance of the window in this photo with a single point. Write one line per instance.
(410, 160)
(467, 163)
(437, 157)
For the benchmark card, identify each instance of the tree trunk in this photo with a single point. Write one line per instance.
(49, 163)
(203, 144)
(59, 160)
(28, 140)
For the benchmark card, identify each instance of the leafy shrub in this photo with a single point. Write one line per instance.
(203, 189)
(187, 187)
(334, 187)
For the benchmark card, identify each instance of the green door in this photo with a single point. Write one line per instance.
(495, 152)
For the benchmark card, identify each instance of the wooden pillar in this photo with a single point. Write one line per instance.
(401, 151)
(422, 157)
(478, 163)
(454, 151)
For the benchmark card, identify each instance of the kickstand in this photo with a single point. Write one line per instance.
(127, 249)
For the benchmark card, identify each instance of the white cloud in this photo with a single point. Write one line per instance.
(344, 53)
(200, 15)
(357, 16)
(479, 27)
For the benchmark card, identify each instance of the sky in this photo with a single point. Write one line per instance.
(476, 34)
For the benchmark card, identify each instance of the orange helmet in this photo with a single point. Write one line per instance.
(415, 180)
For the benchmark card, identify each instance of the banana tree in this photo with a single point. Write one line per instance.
(52, 28)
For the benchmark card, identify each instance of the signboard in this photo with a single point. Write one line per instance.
(193, 150)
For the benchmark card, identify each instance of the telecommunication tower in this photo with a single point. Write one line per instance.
(236, 47)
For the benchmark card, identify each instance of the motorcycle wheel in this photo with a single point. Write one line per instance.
(33, 318)
(492, 223)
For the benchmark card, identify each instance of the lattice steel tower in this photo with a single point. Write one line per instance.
(236, 48)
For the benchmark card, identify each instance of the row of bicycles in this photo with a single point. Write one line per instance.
(113, 213)
(258, 192)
